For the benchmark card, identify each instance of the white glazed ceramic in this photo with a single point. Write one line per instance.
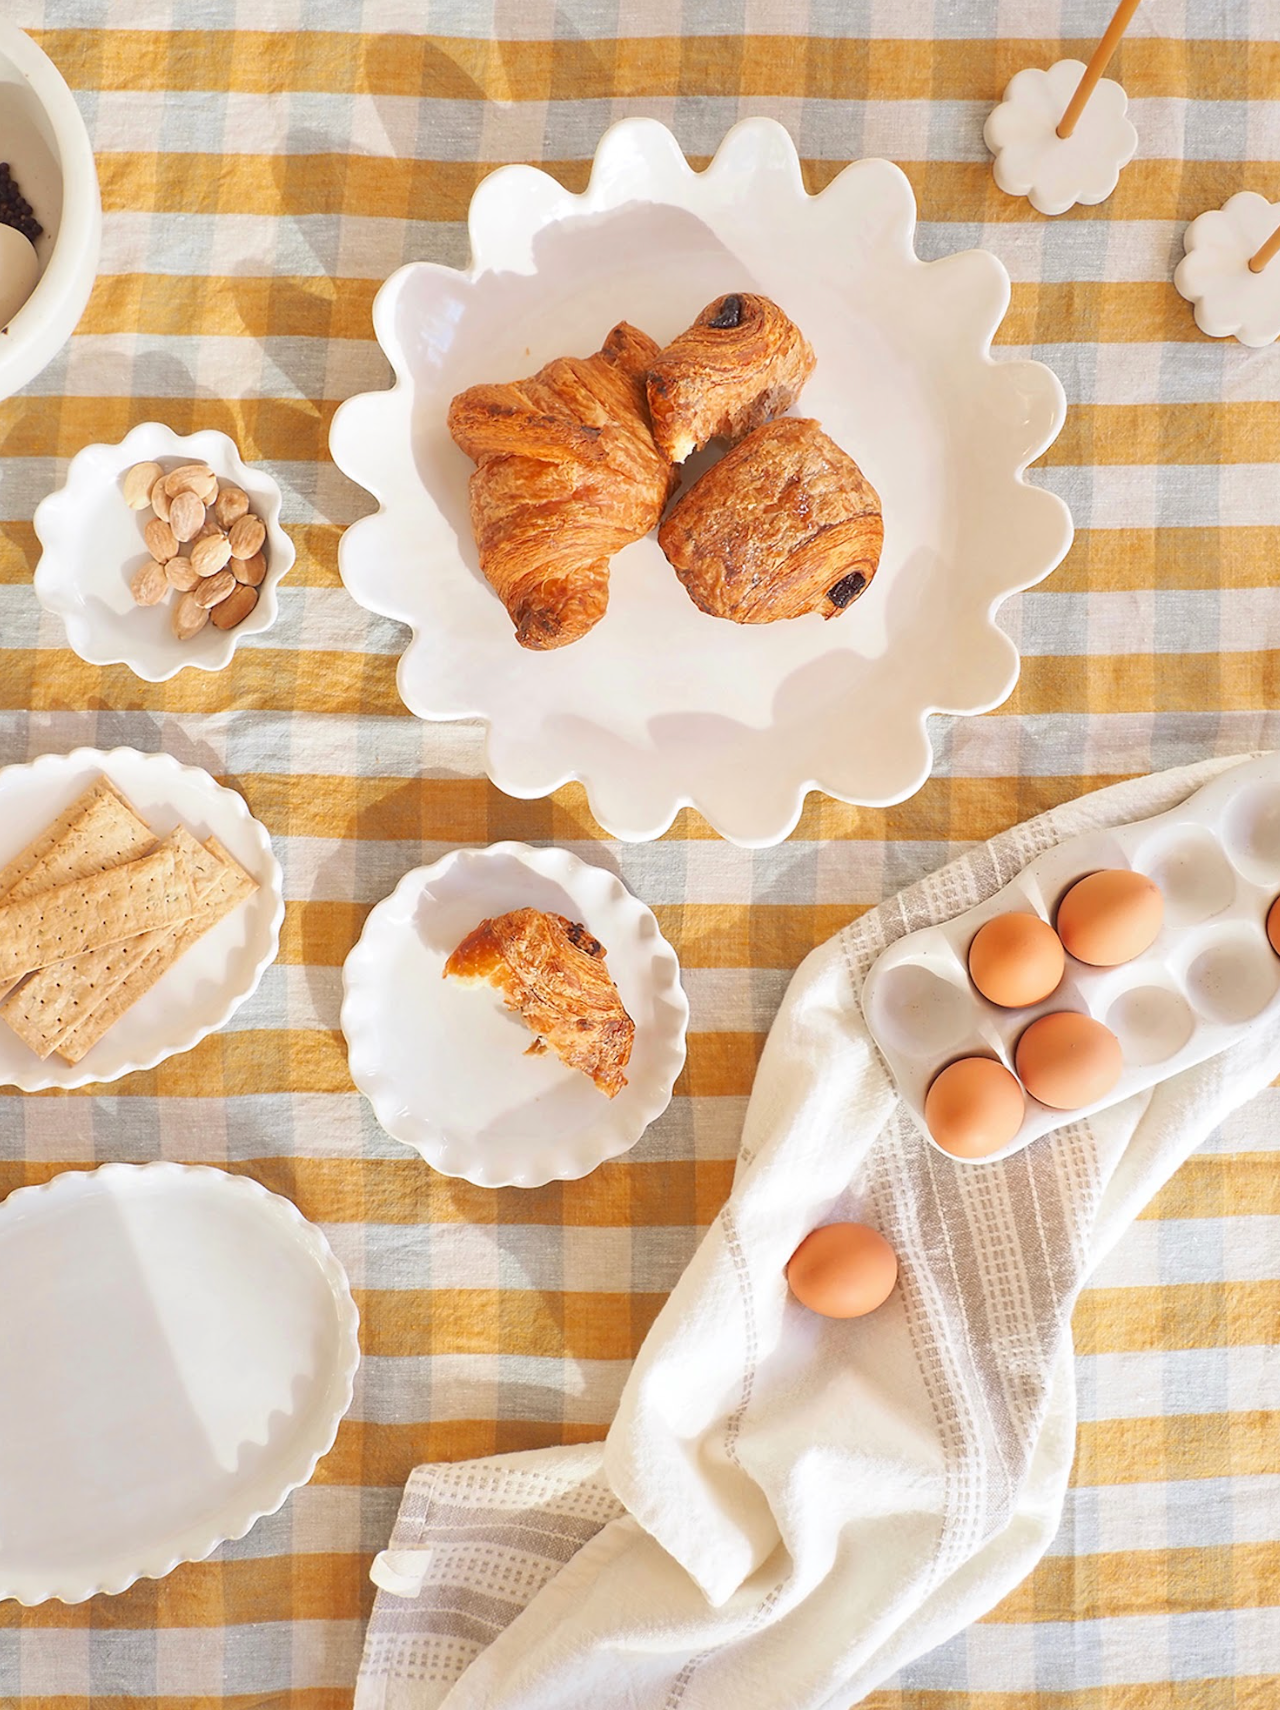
(444, 1063)
(92, 545)
(662, 705)
(205, 987)
(1053, 172)
(43, 138)
(1229, 300)
(1209, 975)
(178, 1350)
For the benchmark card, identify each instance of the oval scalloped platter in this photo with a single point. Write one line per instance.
(446, 1066)
(179, 1350)
(661, 705)
(209, 982)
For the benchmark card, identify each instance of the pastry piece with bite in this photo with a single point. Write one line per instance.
(785, 523)
(567, 474)
(552, 972)
(739, 365)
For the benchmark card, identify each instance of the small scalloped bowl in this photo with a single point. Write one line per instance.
(92, 545)
(445, 1065)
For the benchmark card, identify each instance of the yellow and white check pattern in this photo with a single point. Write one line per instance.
(264, 165)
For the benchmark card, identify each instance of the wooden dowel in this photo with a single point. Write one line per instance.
(1097, 65)
(1269, 249)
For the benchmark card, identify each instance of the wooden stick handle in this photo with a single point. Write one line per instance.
(1270, 248)
(1097, 65)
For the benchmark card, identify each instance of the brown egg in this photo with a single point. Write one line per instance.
(1016, 960)
(1273, 926)
(843, 1270)
(974, 1107)
(1067, 1060)
(1110, 917)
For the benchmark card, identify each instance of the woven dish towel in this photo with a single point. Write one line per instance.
(788, 1509)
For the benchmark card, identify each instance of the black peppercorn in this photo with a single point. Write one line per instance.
(15, 210)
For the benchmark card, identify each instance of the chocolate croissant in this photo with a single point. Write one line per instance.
(553, 973)
(739, 365)
(785, 523)
(567, 474)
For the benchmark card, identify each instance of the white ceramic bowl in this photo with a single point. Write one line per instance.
(91, 545)
(445, 1066)
(43, 138)
(662, 705)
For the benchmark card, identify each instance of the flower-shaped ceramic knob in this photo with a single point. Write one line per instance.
(1051, 171)
(1229, 298)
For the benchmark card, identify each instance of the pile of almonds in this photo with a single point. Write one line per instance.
(204, 542)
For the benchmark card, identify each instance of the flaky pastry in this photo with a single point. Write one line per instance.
(567, 474)
(739, 365)
(552, 972)
(785, 523)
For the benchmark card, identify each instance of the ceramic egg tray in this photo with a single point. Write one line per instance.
(1209, 975)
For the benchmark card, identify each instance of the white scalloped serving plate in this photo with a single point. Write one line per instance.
(662, 706)
(444, 1064)
(205, 987)
(91, 546)
(180, 1347)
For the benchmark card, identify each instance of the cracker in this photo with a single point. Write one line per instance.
(56, 924)
(227, 887)
(41, 847)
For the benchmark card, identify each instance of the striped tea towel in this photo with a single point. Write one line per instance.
(788, 1509)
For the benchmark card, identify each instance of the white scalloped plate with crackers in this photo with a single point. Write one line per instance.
(447, 1068)
(212, 977)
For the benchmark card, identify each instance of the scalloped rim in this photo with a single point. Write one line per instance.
(45, 521)
(270, 880)
(396, 398)
(304, 1465)
(583, 1152)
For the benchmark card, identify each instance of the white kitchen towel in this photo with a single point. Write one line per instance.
(788, 1509)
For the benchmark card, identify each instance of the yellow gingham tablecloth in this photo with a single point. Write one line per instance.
(264, 165)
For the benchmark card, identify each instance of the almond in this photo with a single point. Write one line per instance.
(186, 514)
(249, 570)
(235, 608)
(230, 505)
(213, 588)
(208, 526)
(160, 500)
(190, 478)
(189, 617)
(138, 484)
(181, 575)
(150, 585)
(160, 539)
(210, 554)
(247, 536)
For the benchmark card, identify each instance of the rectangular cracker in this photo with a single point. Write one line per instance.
(37, 853)
(222, 885)
(107, 833)
(56, 924)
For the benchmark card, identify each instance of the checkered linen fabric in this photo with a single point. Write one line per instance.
(264, 165)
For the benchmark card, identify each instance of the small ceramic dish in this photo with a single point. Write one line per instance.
(186, 1348)
(44, 140)
(444, 1064)
(92, 546)
(205, 987)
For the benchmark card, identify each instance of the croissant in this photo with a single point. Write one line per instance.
(739, 365)
(567, 474)
(553, 973)
(785, 523)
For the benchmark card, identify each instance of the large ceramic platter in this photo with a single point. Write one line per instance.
(209, 982)
(661, 705)
(177, 1350)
